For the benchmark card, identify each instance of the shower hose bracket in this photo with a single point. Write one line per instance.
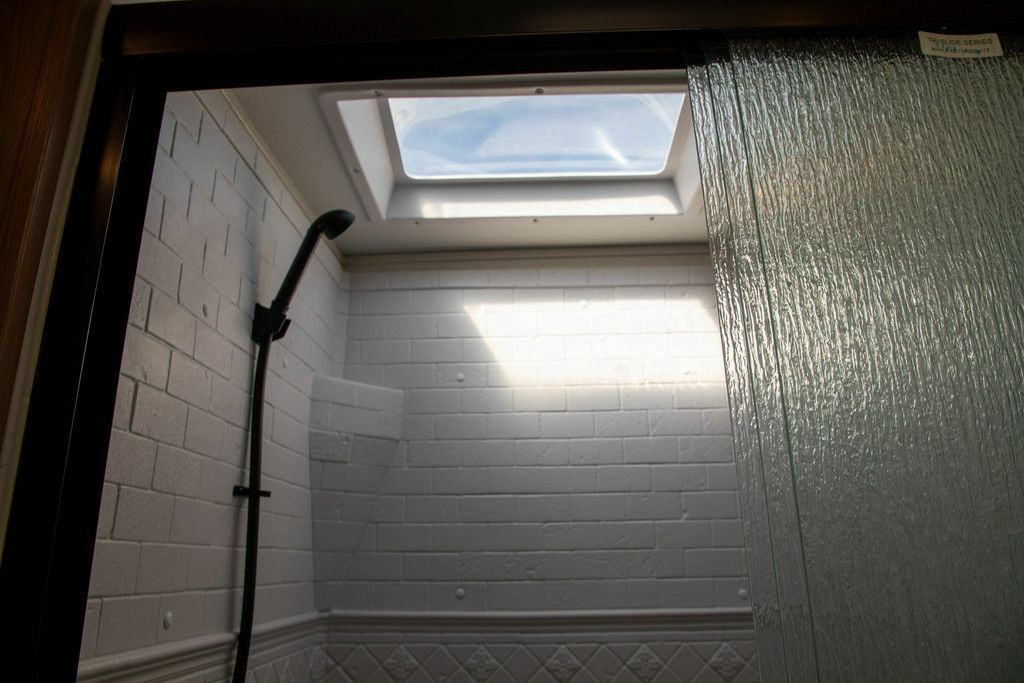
(246, 492)
(268, 322)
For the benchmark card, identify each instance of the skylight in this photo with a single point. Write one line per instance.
(535, 136)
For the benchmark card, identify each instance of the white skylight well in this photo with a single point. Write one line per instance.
(535, 136)
(610, 144)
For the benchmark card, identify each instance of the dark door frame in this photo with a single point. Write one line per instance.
(150, 50)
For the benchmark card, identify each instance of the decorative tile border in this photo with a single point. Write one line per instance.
(648, 646)
(708, 646)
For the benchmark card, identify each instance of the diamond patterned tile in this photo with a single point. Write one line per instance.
(543, 676)
(400, 665)
(335, 675)
(265, 674)
(440, 665)
(419, 676)
(466, 660)
(501, 652)
(462, 651)
(339, 652)
(749, 674)
(421, 652)
(379, 676)
(521, 664)
(583, 651)
(480, 665)
(705, 650)
(644, 664)
(666, 675)
(360, 664)
(501, 676)
(300, 666)
(318, 663)
(380, 651)
(285, 672)
(744, 648)
(664, 650)
(707, 675)
(584, 676)
(625, 676)
(604, 665)
(685, 663)
(727, 663)
(623, 650)
(562, 664)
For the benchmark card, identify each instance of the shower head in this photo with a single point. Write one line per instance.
(330, 224)
(333, 223)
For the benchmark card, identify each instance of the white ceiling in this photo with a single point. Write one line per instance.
(290, 122)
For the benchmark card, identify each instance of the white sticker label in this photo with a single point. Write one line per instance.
(962, 47)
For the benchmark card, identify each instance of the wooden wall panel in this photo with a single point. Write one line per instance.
(42, 52)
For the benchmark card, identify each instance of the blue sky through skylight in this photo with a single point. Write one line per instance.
(525, 136)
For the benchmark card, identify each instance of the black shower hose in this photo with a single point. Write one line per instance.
(269, 324)
(252, 525)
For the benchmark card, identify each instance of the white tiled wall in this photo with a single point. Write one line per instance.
(220, 231)
(566, 433)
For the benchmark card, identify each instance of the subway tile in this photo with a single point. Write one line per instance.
(624, 478)
(163, 568)
(683, 534)
(595, 451)
(158, 265)
(108, 505)
(172, 323)
(190, 381)
(727, 533)
(593, 398)
(177, 471)
(710, 505)
(159, 416)
(114, 569)
(142, 515)
(431, 401)
(566, 425)
(188, 615)
(706, 449)
(651, 449)
(197, 296)
(715, 562)
(679, 477)
(127, 623)
(130, 459)
(716, 421)
(539, 452)
(624, 423)
(627, 535)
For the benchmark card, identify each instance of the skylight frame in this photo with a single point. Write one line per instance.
(650, 87)
(361, 124)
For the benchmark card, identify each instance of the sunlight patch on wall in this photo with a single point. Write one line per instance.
(602, 340)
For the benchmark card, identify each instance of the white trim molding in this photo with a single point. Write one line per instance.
(542, 621)
(182, 658)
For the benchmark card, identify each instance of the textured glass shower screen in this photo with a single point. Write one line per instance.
(866, 213)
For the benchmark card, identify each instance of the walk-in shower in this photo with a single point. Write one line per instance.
(498, 447)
